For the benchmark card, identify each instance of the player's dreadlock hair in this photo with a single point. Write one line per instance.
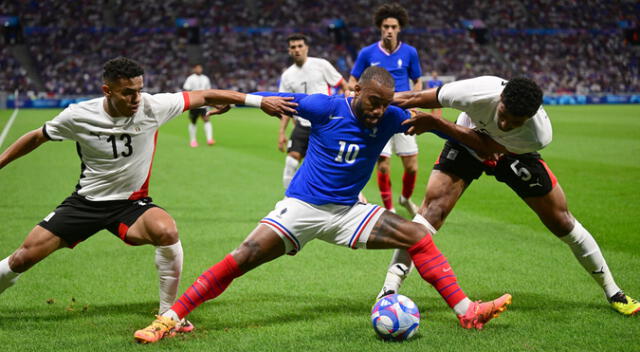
(378, 74)
(391, 10)
(298, 36)
(522, 97)
(121, 67)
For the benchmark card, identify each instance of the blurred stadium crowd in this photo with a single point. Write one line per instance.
(565, 45)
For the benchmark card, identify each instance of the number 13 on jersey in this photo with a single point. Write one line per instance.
(350, 155)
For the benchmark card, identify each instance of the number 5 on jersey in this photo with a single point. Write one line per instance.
(350, 156)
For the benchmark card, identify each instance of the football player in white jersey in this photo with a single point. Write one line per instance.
(309, 75)
(116, 139)
(500, 130)
(198, 81)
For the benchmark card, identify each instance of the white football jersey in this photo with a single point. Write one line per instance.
(478, 98)
(197, 82)
(315, 76)
(116, 153)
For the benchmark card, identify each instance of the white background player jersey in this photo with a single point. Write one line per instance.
(315, 76)
(479, 98)
(116, 153)
(197, 82)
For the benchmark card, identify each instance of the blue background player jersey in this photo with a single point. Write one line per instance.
(342, 152)
(434, 83)
(403, 63)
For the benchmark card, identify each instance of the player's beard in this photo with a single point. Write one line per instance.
(362, 116)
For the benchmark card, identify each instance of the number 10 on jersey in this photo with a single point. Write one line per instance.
(351, 154)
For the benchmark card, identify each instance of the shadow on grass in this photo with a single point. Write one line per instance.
(571, 306)
(274, 309)
(60, 311)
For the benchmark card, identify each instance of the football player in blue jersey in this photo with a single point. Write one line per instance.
(401, 60)
(347, 135)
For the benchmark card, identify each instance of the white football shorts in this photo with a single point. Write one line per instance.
(298, 222)
(401, 144)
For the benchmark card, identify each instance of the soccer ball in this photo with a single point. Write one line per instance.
(395, 317)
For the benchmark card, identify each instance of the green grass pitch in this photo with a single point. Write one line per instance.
(95, 296)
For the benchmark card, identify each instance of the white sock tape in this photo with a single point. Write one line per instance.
(421, 220)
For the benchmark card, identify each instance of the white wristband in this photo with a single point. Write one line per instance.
(253, 100)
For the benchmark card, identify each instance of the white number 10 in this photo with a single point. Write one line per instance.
(350, 156)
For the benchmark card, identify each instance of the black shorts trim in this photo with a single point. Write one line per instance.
(299, 140)
(526, 174)
(77, 218)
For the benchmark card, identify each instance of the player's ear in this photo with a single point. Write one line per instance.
(106, 90)
(357, 88)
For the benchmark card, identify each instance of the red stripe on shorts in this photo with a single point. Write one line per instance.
(554, 180)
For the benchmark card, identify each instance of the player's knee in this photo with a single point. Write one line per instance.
(22, 259)
(165, 235)
(411, 169)
(562, 223)
(247, 255)
(383, 166)
(435, 214)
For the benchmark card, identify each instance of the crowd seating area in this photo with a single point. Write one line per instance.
(244, 47)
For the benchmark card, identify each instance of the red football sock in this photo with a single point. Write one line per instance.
(384, 183)
(408, 183)
(208, 286)
(435, 269)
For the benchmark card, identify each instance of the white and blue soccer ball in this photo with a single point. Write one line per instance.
(395, 317)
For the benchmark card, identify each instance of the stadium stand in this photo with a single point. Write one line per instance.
(566, 46)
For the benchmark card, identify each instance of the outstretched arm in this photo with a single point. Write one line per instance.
(271, 105)
(426, 99)
(481, 143)
(24, 145)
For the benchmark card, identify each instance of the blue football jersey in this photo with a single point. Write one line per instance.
(403, 63)
(342, 152)
(434, 83)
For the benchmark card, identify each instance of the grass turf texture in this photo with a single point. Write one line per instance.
(98, 294)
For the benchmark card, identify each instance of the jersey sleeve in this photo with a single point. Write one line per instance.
(330, 74)
(282, 87)
(166, 106)
(187, 84)
(315, 107)
(60, 127)
(415, 72)
(360, 65)
(399, 115)
(462, 94)
(208, 84)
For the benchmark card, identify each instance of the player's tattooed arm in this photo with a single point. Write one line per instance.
(272, 105)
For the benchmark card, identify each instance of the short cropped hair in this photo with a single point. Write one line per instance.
(298, 36)
(378, 74)
(522, 97)
(391, 10)
(121, 67)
